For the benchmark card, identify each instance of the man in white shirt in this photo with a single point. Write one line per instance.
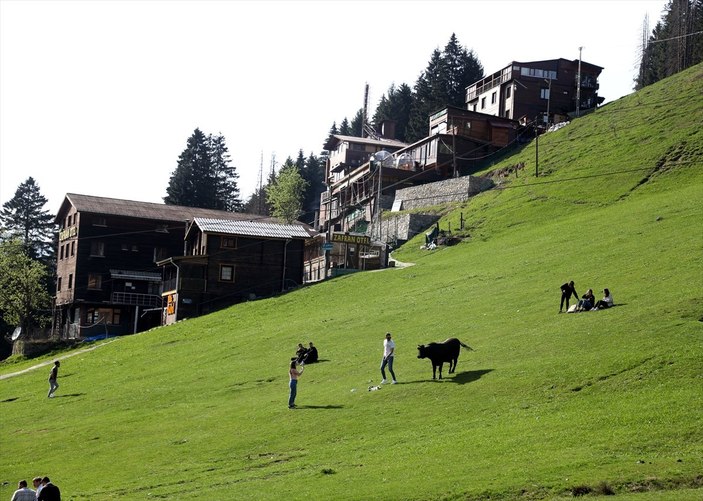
(23, 493)
(388, 354)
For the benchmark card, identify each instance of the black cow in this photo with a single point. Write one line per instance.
(438, 353)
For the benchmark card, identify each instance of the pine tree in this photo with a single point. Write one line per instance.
(226, 188)
(344, 128)
(395, 107)
(23, 217)
(429, 95)
(313, 173)
(193, 183)
(357, 124)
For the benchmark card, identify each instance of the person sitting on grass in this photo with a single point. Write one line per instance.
(310, 355)
(300, 353)
(604, 303)
(587, 301)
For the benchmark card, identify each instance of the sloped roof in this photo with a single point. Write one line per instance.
(338, 138)
(253, 228)
(145, 210)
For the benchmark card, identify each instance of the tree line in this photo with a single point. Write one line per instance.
(675, 43)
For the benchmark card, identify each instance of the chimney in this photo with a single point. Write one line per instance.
(388, 129)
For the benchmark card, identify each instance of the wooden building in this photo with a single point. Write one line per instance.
(457, 140)
(227, 261)
(108, 280)
(550, 91)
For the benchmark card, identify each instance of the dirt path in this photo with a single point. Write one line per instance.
(50, 362)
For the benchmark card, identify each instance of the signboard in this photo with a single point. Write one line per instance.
(328, 246)
(345, 238)
(171, 309)
(68, 233)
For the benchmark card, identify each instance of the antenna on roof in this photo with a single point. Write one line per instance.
(261, 182)
(366, 129)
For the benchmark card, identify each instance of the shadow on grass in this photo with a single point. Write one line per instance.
(69, 395)
(466, 376)
(319, 407)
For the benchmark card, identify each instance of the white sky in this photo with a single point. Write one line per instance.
(99, 97)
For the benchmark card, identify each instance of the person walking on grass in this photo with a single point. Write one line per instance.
(294, 374)
(49, 491)
(23, 493)
(53, 375)
(388, 355)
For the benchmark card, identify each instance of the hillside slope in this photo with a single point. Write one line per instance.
(547, 406)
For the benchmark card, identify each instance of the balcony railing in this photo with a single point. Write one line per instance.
(136, 299)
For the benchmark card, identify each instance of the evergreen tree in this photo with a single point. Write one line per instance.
(193, 183)
(23, 217)
(676, 43)
(344, 128)
(395, 107)
(313, 173)
(460, 68)
(429, 96)
(357, 124)
(285, 194)
(226, 189)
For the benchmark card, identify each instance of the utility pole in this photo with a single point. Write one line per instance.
(578, 86)
(536, 149)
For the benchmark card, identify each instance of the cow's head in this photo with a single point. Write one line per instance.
(422, 351)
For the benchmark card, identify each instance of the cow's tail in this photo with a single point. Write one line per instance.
(466, 346)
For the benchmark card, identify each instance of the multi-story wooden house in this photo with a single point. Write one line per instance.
(360, 185)
(549, 91)
(108, 280)
(231, 260)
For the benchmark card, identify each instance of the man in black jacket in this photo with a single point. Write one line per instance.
(566, 291)
(49, 492)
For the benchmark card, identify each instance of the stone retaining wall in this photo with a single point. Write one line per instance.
(457, 189)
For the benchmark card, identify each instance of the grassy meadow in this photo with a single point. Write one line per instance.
(548, 406)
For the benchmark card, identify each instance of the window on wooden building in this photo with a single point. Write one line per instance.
(99, 221)
(483, 103)
(70, 281)
(110, 316)
(228, 243)
(97, 249)
(494, 97)
(226, 273)
(73, 248)
(95, 281)
(544, 93)
(58, 284)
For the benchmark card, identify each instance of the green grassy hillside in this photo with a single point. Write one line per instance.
(548, 406)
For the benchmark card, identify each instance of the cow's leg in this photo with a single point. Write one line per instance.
(434, 371)
(440, 369)
(454, 367)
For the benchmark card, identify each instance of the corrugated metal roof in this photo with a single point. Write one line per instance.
(253, 228)
(136, 275)
(146, 210)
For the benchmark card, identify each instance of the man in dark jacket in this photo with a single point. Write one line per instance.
(566, 291)
(49, 492)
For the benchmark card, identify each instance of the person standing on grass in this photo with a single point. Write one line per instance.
(388, 355)
(53, 375)
(23, 493)
(36, 482)
(49, 491)
(566, 291)
(294, 374)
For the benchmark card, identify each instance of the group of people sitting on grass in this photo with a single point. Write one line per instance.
(305, 355)
(587, 302)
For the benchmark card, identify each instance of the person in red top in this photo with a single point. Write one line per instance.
(294, 374)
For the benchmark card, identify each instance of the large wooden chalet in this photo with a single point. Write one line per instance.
(108, 279)
(551, 90)
(232, 260)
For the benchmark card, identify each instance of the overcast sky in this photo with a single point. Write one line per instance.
(99, 97)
